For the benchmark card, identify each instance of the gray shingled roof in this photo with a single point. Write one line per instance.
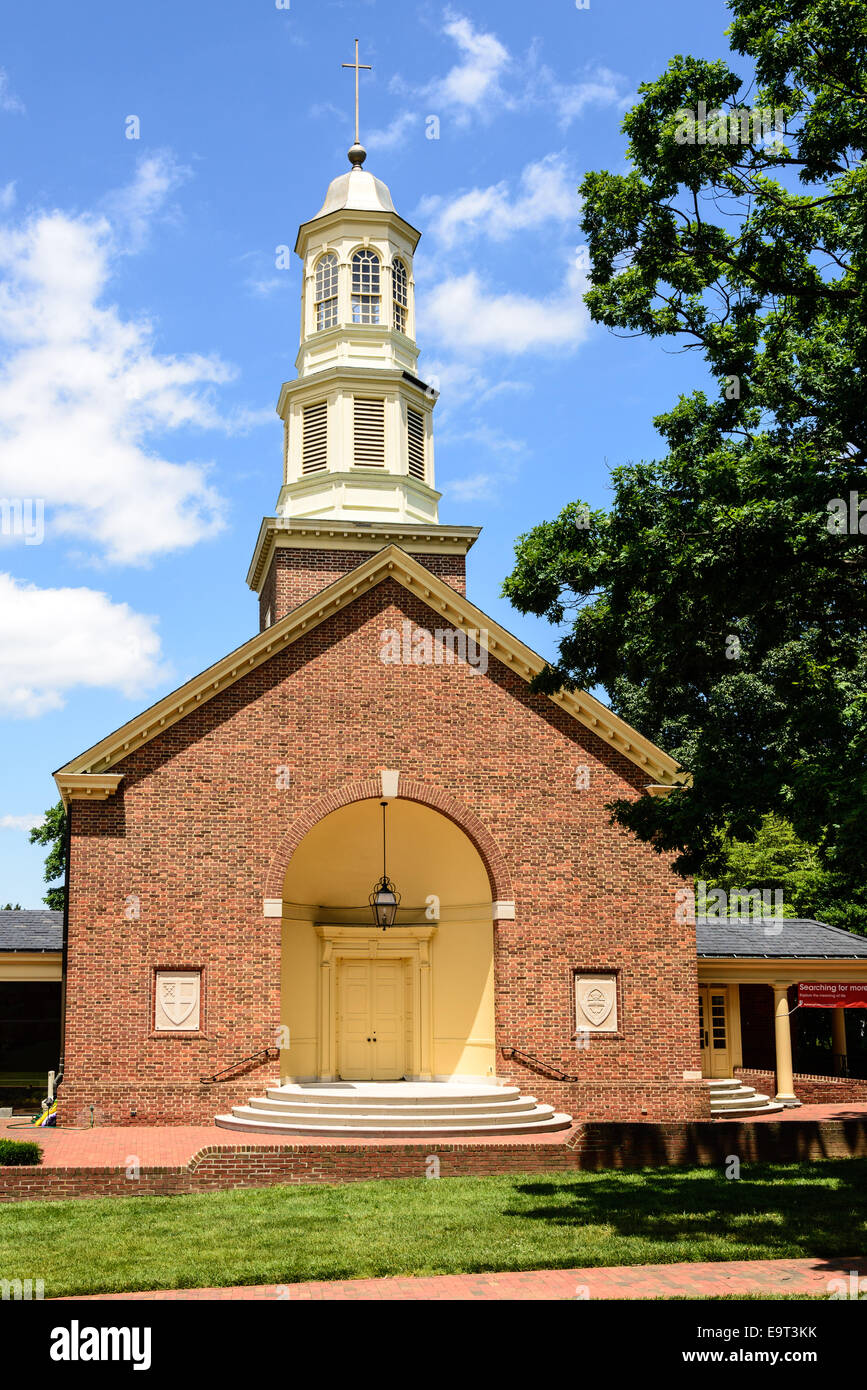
(35, 929)
(791, 937)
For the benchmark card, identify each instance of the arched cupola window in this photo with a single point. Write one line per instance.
(366, 276)
(400, 295)
(326, 292)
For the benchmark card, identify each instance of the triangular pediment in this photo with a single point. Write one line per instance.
(90, 775)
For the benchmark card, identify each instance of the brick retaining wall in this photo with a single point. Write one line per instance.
(590, 1146)
(811, 1090)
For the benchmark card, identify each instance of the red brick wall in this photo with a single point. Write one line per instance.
(592, 1146)
(296, 575)
(196, 824)
(811, 1090)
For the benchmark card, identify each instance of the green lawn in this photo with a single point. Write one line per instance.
(417, 1226)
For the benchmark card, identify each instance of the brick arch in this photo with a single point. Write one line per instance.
(433, 797)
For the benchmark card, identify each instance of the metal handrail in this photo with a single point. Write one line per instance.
(264, 1052)
(538, 1064)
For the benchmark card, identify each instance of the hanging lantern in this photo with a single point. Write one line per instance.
(385, 899)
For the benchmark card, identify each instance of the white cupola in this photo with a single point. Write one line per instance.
(358, 436)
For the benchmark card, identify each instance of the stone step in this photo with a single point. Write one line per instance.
(385, 1093)
(419, 1119)
(734, 1100)
(276, 1102)
(441, 1129)
(748, 1098)
(393, 1109)
(767, 1107)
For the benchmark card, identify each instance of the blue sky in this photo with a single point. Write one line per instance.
(145, 328)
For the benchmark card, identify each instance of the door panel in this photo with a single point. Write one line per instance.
(354, 1047)
(388, 1021)
(371, 1020)
(714, 1025)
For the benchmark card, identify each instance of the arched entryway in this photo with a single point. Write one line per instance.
(415, 1001)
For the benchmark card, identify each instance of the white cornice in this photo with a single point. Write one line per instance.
(87, 786)
(332, 376)
(376, 217)
(283, 533)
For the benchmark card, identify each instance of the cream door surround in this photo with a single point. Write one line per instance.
(411, 944)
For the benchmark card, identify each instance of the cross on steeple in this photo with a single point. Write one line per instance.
(357, 148)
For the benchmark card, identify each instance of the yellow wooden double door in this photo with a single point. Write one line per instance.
(371, 1020)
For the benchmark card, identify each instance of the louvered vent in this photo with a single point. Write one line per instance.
(415, 439)
(314, 453)
(369, 433)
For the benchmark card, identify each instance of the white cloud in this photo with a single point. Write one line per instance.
(8, 100)
(54, 640)
(547, 194)
(264, 286)
(21, 822)
(465, 316)
(461, 382)
(7, 196)
(82, 391)
(599, 87)
(480, 487)
(133, 209)
(472, 86)
(393, 135)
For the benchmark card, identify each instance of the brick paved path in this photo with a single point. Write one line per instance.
(168, 1146)
(626, 1281)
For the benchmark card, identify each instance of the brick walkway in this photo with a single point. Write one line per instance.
(799, 1277)
(169, 1146)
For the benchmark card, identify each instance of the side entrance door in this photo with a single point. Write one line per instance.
(714, 1031)
(371, 1020)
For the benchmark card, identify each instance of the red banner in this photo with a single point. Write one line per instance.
(832, 995)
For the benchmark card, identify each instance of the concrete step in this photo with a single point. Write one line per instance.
(421, 1119)
(393, 1110)
(766, 1107)
(734, 1099)
(274, 1101)
(442, 1130)
(391, 1093)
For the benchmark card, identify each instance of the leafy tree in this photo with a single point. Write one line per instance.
(777, 859)
(11, 907)
(52, 832)
(719, 602)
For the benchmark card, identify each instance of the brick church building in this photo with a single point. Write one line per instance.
(359, 851)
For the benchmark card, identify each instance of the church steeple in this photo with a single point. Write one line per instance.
(358, 452)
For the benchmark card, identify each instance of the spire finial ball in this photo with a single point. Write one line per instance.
(357, 154)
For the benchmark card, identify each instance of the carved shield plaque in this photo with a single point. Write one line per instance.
(178, 1001)
(596, 1003)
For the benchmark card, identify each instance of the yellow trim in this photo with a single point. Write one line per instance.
(389, 563)
(28, 966)
(736, 970)
(87, 786)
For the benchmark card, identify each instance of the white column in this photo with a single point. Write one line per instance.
(783, 1039)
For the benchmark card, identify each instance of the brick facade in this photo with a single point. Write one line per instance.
(296, 575)
(199, 833)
